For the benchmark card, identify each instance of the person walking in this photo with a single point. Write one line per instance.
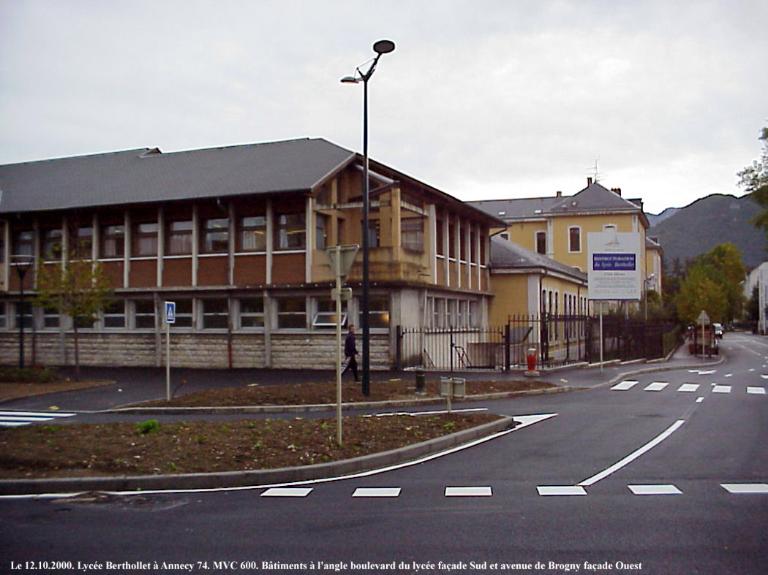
(350, 351)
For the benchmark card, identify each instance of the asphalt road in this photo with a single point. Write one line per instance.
(644, 483)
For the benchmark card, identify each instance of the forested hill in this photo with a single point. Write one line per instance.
(707, 222)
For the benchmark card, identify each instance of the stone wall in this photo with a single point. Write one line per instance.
(194, 350)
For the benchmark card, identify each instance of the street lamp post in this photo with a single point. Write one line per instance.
(380, 47)
(22, 267)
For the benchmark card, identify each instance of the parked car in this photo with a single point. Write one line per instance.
(718, 327)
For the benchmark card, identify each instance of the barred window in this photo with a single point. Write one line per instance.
(412, 234)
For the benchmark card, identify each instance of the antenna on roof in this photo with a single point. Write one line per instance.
(595, 171)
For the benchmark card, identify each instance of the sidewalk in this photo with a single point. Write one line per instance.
(136, 385)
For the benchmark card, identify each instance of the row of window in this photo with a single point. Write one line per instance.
(214, 237)
(246, 313)
(574, 239)
(450, 312)
(464, 232)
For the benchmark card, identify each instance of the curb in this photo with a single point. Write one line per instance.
(255, 478)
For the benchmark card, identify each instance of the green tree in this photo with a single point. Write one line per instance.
(699, 292)
(79, 290)
(754, 179)
(724, 266)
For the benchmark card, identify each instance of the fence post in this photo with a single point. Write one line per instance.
(452, 345)
(398, 350)
(507, 347)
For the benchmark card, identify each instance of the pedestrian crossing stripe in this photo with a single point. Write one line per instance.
(745, 488)
(656, 386)
(625, 385)
(377, 492)
(287, 492)
(468, 492)
(756, 390)
(721, 388)
(688, 387)
(654, 490)
(20, 418)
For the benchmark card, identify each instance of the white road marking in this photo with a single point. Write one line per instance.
(436, 412)
(764, 376)
(468, 492)
(756, 390)
(19, 418)
(287, 492)
(634, 455)
(547, 490)
(728, 375)
(377, 492)
(656, 386)
(740, 488)
(700, 400)
(707, 372)
(688, 387)
(751, 369)
(654, 490)
(721, 388)
(625, 385)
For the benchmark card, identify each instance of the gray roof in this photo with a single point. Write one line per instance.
(148, 175)
(593, 198)
(509, 255)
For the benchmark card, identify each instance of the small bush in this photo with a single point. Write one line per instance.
(28, 375)
(149, 426)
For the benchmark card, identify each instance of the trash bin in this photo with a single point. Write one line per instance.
(420, 381)
(531, 359)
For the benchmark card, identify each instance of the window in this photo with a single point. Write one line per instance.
(373, 233)
(326, 314)
(438, 313)
(3, 318)
(451, 238)
(51, 318)
(184, 317)
(609, 228)
(452, 315)
(252, 312)
(84, 322)
(215, 314)
(378, 311)
(252, 234)
(463, 244)
(412, 234)
(144, 239)
(474, 314)
(473, 246)
(26, 314)
(504, 235)
(290, 232)
(179, 238)
(439, 237)
(215, 236)
(462, 310)
(112, 241)
(321, 231)
(292, 313)
(24, 243)
(114, 315)
(52, 244)
(541, 243)
(82, 243)
(144, 314)
(574, 239)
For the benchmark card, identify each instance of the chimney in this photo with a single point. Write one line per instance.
(616, 191)
(589, 181)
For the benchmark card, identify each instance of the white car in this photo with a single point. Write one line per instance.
(718, 327)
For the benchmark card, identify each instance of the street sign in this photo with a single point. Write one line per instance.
(614, 266)
(170, 312)
(345, 294)
(703, 319)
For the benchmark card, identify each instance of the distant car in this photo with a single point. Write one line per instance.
(718, 327)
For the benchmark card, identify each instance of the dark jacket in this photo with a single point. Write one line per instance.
(350, 349)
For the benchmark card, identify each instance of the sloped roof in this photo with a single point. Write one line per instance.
(509, 255)
(593, 198)
(148, 175)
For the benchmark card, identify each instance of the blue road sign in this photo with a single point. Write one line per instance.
(170, 312)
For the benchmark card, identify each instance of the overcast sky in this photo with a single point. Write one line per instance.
(482, 99)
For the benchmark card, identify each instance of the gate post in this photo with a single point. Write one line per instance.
(507, 347)
(398, 348)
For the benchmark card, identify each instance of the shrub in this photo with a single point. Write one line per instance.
(27, 375)
(149, 426)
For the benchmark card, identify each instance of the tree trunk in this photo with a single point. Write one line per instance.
(77, 353)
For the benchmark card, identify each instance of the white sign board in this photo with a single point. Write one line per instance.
(614, 265)
(170, 312)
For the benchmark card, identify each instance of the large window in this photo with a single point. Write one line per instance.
(53, 245)
(114, 315)
(292, 312)
(179, 238)
(215, 313)
(325, 317)
(215, 236)
(184, 317)
(51, 318)
(412, 234)
(374, 232)
(23, 243)
(144, 314)
(439, 237)
(112, 239)
(574, 239)
(321, 231)
(541, 243)
(252, 312)
(290, 232)
(144, 239)
(252, 234)
(82, 243)
(378, 311)
(26, 314)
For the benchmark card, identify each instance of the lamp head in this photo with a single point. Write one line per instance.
(384, 47)
(350, 80)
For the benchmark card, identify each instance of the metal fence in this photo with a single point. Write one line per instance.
(555, 339)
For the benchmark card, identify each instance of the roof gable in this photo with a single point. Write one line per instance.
(509, 255)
